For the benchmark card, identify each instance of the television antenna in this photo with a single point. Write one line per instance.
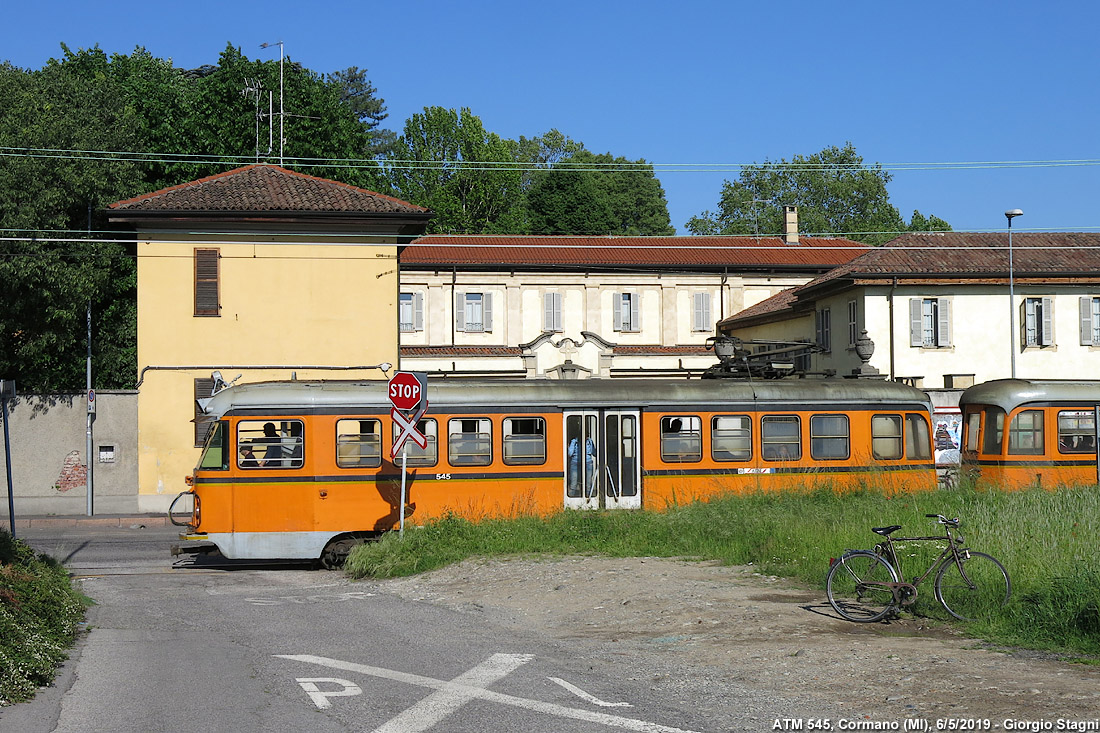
(253, 90)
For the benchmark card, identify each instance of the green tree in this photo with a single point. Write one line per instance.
(919, 223)
(589, 193)
(49, 271)
(836, 193)
(360, 96)
(448, 162)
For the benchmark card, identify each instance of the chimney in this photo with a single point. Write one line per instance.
(790, 224)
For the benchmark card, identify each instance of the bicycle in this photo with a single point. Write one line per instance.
(868, 585)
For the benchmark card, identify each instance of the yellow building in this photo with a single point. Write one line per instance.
(260, 272)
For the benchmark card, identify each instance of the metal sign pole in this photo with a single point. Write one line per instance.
(404, 463)
(7, 464)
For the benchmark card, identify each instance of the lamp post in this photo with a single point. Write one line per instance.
(1010, 215)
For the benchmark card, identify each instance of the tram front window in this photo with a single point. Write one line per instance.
(994, 430)
(214, 457)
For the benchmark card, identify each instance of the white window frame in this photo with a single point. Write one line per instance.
(466, 307)
(930, 323)
(700, 312)
(1037, 322)
(626, 312)
(410, 312)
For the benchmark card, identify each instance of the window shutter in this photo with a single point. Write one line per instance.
(460, 311)
(701, 312)
(487, 311)
(1047, 337)
(1086, 321)
(916, 322)
(418, 311)
(1026, 311)
(635, 317)
(617, 311)
(551, 318)
(203, 388)
(206, 283)
(945, 321)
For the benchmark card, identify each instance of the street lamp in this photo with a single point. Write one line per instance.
(1010, 215)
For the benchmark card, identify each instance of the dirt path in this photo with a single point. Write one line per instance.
(732, 625)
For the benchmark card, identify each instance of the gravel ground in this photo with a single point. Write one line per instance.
(763, 647)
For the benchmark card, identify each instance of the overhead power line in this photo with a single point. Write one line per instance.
(526, 166)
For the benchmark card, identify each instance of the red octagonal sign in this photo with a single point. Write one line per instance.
(406, 390)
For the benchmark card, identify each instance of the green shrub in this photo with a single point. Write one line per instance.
(39, 614)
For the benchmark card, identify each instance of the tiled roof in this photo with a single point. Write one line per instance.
(975, 254)
(688, 350)
(442, 351)
(266, 188)
(951, 256)
(810, 254)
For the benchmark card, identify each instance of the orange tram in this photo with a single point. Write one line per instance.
(1031, 432)
(302, 469)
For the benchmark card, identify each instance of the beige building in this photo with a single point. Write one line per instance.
(576, 307)
(259, 272)
(935, 310)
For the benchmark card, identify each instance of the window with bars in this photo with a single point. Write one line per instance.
(473, 312)
(1037, 322)
(1090, 321)
(410, 312)
(626, 312)
(207, 282)
(930, 322)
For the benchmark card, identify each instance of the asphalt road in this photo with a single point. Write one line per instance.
(192, 644)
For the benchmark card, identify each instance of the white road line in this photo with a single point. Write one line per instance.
(441, 703)
(589, 698)
(612, 721)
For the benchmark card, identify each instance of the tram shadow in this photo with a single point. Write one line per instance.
(205, 556)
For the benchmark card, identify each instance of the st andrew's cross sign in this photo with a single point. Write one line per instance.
(408, 392)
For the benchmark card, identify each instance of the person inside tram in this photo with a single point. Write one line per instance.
(573, 453)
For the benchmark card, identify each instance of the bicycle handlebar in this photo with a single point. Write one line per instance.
(944, 520)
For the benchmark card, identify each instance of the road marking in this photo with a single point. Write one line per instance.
(589, 698)
(441, 703)
(319, 697)
(459, 686)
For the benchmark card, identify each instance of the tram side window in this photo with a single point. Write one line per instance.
(994, 430)
(269, 444)
(214, 456)
(470, 441)
(973, 421)
(1076, 431)
(1025, 434)
(524, 441)
(886, 437)
(414, 454)
(918, 441)
(829, 437)
(780, 438)
(358, 443)
(681, 439)
(731, 438)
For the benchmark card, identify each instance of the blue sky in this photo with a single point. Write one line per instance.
(693, 82)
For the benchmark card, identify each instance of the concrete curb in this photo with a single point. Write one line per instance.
(106, 520)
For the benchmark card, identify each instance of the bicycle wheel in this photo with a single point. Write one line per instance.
(978, 591)
(855, 586)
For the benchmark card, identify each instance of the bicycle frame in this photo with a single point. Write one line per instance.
(905, 592)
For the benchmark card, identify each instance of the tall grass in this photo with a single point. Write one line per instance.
(1046, 539)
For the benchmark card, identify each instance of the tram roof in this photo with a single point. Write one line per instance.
(1010, 393)
(309, 395)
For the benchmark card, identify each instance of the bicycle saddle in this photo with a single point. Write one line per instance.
(884, 531)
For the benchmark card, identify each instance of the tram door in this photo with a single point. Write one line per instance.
(602, 460)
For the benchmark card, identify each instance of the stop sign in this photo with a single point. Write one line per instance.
(406, 390)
